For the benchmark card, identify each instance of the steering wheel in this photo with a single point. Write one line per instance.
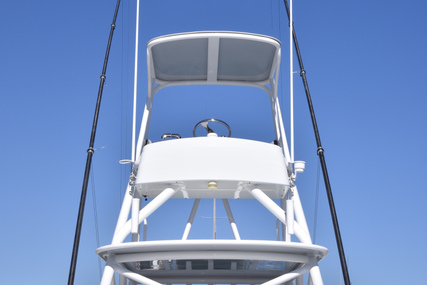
(205, 124)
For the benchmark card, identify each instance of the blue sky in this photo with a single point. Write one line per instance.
(366, 66)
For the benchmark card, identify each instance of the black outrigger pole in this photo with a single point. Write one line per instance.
(90, 151)
(320, 153)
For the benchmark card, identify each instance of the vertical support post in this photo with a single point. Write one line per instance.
(231, 219)
(280, 131)
(136, 205)
(214, 218)
(290, 216)
(144, 127)
(191, 219)
(285, 235)
(278, 230)
(144, 235)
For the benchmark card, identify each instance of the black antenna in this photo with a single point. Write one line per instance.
(90, 151)
(320, 153)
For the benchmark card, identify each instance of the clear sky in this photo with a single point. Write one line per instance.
(366, 66)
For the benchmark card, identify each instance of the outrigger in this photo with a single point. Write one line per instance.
(213, 166)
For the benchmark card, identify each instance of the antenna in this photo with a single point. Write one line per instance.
(135, 82)
(291, 74)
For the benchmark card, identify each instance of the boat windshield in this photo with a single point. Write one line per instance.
(247, 110)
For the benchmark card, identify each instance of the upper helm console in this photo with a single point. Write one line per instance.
(210, 153)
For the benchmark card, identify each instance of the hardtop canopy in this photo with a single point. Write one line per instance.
(214, 58)
(228, 58)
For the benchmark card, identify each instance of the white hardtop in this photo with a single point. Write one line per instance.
(214, 58)
(229, 58)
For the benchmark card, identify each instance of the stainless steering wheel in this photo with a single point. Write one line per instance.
(205, 124)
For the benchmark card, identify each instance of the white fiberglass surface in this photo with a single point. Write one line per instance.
(247, 110)
(226, 56)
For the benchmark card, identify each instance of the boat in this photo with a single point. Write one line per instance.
(217, 160)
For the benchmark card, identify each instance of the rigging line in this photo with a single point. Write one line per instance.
(90, 152)
(320, 153)
(281, 103)
(95, 214)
